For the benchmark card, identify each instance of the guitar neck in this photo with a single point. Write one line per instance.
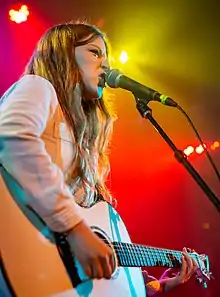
(135, 255)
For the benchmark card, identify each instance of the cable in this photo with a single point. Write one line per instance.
(200, 139)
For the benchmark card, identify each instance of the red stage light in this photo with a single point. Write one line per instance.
(19, 16)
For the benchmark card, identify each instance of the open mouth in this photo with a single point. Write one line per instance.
(101, 82)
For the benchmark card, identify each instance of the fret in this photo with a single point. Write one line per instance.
(163, 258)
(123, 259)
(129, 254)
(150, 255)
(120, 255)
(146, 259)
(140, 256)
(133, 254)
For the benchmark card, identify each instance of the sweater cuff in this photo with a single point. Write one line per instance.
(66, 217)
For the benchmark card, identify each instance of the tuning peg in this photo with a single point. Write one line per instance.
(200, 280)
(205, 285)
(211, 276)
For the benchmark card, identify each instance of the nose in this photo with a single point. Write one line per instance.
(105, 66)
(104, 69)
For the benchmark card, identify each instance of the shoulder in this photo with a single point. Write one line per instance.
(38, 86)
(34, 87)
(35, 80)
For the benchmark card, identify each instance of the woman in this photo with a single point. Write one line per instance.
(55, 126)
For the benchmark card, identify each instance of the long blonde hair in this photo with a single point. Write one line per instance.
(90, 121)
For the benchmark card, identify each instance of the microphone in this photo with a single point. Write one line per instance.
(116, 79)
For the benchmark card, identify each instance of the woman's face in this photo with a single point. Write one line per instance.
(92, 61)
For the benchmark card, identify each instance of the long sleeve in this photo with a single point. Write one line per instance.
(24, 112)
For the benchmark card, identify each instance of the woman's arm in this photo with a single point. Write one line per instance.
(24, 113)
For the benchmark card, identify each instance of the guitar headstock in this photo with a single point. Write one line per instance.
(203, 273)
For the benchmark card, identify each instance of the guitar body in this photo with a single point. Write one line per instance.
(32, 261)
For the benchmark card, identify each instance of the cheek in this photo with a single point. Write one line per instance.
(82, 62)
(88, 78)
(89, 74)
(87, 69)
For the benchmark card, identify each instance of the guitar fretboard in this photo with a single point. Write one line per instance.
(135, 255)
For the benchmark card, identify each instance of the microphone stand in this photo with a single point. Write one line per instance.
(146, 112)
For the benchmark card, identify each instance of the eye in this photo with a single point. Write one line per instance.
(96, 52)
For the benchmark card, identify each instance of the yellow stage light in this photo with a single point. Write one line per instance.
(123, 57)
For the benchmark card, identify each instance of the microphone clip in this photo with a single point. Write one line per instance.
(142, 107)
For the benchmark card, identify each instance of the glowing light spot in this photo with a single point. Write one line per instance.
(206, 226)
(189, 150)
(216, 144)
(19, 16)
(200, 149)
(123, 57)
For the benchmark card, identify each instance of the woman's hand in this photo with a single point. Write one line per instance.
(92, 253)
(171, 279)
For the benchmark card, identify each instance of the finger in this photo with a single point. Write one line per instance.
(195, 265)
(183, 270)
(112, 262)
(189, 263)
(97, 270)
(170, 272)
(188, 250)
(107, 266)
(88, 270)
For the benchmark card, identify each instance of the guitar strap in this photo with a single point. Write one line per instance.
(4, 276)
(66, 254)
(67, 258)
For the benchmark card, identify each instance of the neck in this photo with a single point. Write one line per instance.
(135, 255)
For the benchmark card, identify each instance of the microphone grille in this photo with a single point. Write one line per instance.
(112, 78)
